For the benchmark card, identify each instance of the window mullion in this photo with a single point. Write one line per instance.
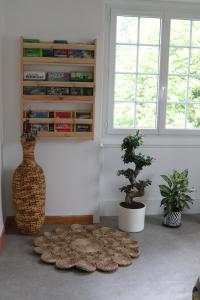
(111, 73)
(136, 77)
(164, 59)
(188, 77)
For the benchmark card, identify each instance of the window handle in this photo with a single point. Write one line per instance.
(163, 89)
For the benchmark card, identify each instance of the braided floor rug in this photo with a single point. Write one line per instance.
(86, 247)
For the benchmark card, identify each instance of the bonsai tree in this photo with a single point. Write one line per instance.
(135, 188)
(28, 133)
(175, 192)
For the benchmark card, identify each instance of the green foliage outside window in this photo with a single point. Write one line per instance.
(140, 89)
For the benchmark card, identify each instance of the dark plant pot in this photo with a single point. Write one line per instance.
(173, 219)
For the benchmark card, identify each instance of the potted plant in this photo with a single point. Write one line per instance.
(175, 197)
(132, 213)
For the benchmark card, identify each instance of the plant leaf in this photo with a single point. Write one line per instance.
(165, 189)
(167, 179)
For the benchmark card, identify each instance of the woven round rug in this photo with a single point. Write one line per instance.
(86, 247)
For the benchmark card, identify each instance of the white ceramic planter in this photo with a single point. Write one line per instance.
(131, 220)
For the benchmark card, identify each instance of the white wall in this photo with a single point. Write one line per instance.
(1, 118)
(171, 152)
(80, 176)
(167, 158)
(71, 168)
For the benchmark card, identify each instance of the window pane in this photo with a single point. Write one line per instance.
(194, 89)
(195, 61)
(125, 58)
(146, 115)
(180, 32)
(124, 115)
(124, 87)
(127, 28)
(193, 116)
(178, 60)
(148, 59)
(195, 33)
(147, 88)
(149, 31)
(177, 88)
(175, 117)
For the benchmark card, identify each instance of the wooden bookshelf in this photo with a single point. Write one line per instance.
(66, 135)
(58, 84)
(58, 99)
(84, 62)
(59, 120)
(50, 45)
(37, 99)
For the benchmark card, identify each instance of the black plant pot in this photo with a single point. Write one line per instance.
(172, 220)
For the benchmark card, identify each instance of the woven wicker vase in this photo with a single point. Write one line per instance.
(29, 191)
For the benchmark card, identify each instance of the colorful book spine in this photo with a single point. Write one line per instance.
(80, 54)
(60, 127)
(58, 76)
(76, 91)
(40, 127)
(82, 115)
(81, 76)
(60, 52)
(47, 52)
(58, 91)
(39, 114)
(34, 75)
(82, 128)
(34, 90)
(32, 52)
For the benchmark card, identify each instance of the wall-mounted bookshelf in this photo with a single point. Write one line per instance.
(76, 87)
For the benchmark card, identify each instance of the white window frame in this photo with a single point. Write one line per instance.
(166, 14)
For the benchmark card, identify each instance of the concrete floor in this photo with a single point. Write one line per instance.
(166, 270)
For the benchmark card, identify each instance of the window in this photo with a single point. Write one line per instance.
(136, 72)
(183, 97)
(154, 73)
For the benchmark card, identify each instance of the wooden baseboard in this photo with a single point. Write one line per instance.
(2, 238)
(10, 222)
(80, 219)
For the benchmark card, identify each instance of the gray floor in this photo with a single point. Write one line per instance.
(166, 270)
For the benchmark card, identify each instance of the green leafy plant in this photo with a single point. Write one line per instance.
(135, 188)
(175, 192)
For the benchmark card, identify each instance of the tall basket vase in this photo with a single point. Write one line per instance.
(29, 191)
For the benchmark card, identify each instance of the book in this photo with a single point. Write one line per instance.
(47, 52)
(39, 114)
(58, 76)
(60, 52)
(60, 127)
(76, 91)
(59, 91)
(82, 115)
(34, 75)
(81, 76)
(80, 54)
(82, 128)
(32, 52)
(34, 90)
(40, 127)
(63, 115)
